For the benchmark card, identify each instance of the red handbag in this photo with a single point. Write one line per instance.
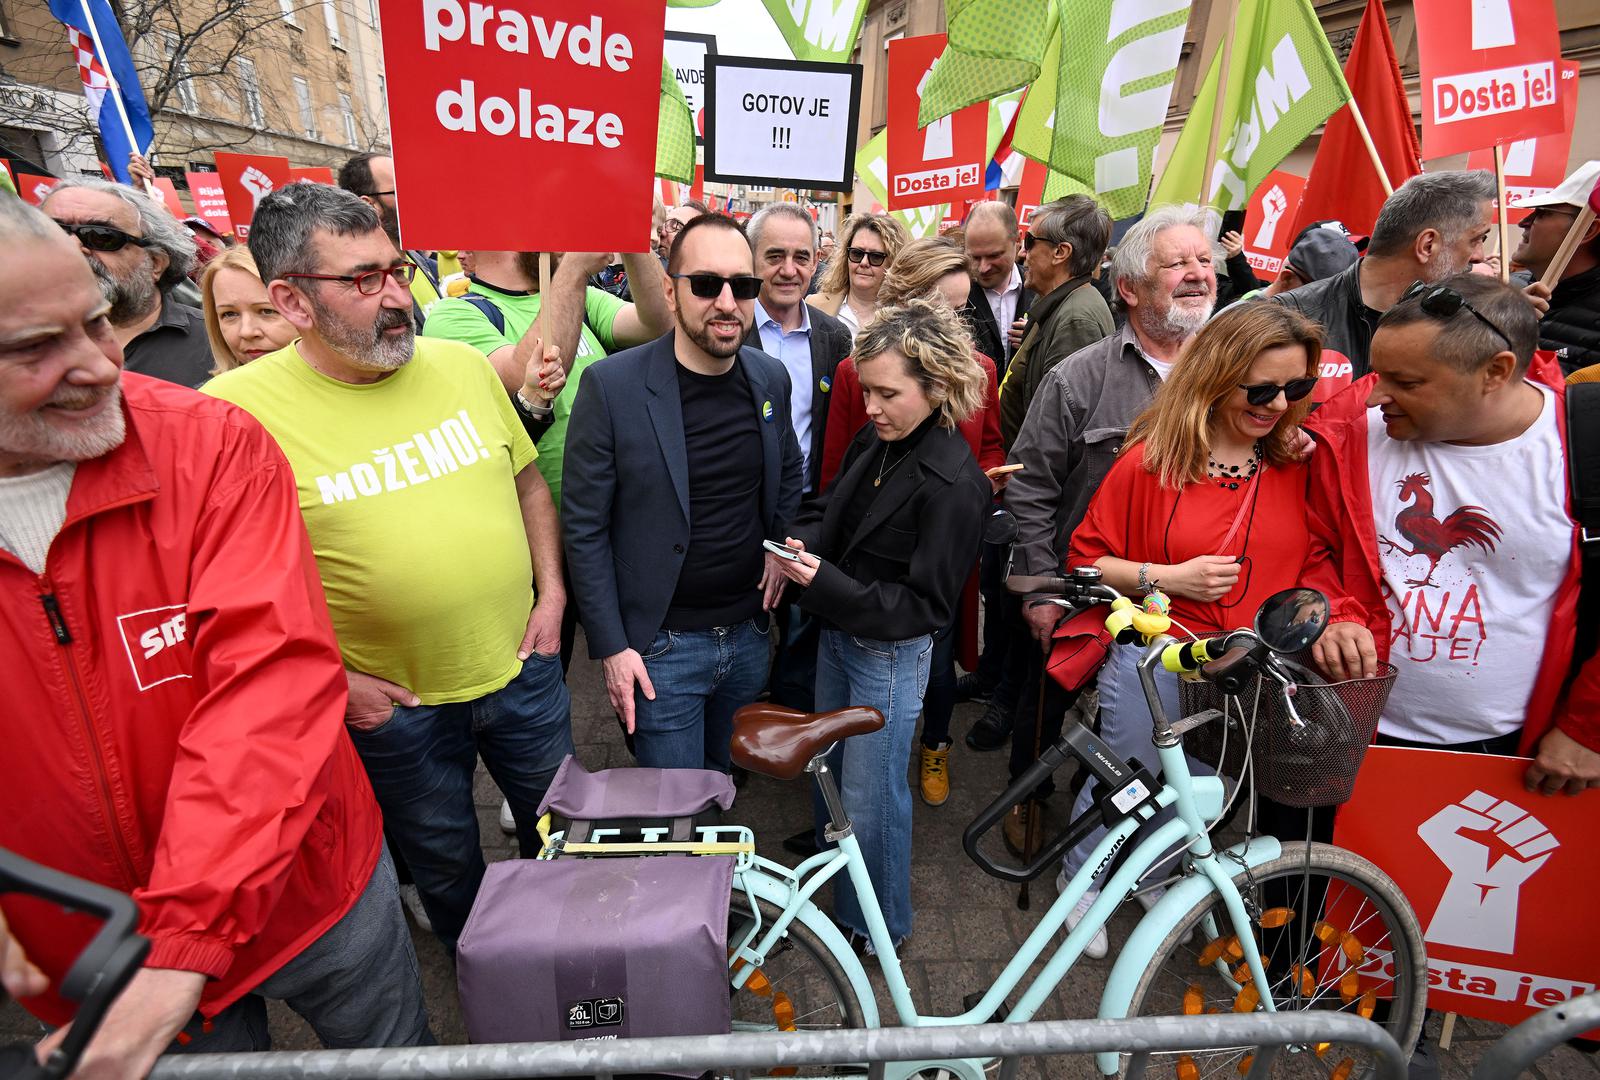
(1079, 647)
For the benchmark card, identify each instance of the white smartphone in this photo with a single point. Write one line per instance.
(782, 551)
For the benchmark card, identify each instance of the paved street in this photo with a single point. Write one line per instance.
(967, 924)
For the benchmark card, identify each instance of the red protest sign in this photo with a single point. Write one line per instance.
(1269, 220)
(210, 202)
(1498, 876)
(943, 162)
(35, 188)
(169, 196)
(1488, 73)
(316, 174)
(1030, 190)
(1534, 166)
(503, 111)
(246, 180)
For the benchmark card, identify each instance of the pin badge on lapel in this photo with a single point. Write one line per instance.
(766, 411)
(825, 384)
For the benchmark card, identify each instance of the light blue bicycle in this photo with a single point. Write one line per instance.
(1257, 926)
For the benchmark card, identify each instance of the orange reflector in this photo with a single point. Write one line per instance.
(1233, 950)
(783, 1011)
(1308, 984)
(1326, 933)
(1273, 918)
(1346, 1067)
(1241, 974)
(1353, 950)
(1187, 1069)
(1322, 1049)
(1244, 1064)
(1213, 951)
(1369, 1004)
(1249, 997)
(1193, 1001)
(1349, 985)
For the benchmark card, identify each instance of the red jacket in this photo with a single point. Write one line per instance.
(1344, 561)
(173, 723)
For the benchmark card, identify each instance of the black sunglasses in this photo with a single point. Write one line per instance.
(101, 237)
(1444, 304)
(709, 286)
(876, 258)
(1266, 393)
(1029, 239)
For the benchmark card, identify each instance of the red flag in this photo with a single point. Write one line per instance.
(1343, 182)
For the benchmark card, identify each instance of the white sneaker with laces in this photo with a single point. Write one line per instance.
(508, 824)
(1098, 945)
(413, 904)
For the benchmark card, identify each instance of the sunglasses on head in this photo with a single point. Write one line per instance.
(709, 286)
(1444, 303)
(876, 258)
(1266, 393)
(104, 238)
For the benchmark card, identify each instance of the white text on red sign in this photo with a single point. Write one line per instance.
(948, 178)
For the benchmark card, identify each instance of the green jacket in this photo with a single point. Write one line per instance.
(1072, 316)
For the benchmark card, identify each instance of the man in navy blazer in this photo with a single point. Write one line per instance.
(680, 461)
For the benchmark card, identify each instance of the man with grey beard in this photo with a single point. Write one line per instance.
(430, 525)
(139, 254)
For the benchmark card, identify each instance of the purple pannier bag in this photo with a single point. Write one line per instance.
(578, 794)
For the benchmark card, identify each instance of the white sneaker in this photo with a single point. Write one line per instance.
(508, 824)
(413, 904)
(1150, 897)
(1098, 945)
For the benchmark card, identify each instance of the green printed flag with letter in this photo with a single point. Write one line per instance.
(872, 169)
(1101, 74)
(823, 30)
(675, 131)
(1283, 81)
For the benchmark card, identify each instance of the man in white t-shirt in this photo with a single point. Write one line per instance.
(1441, 533)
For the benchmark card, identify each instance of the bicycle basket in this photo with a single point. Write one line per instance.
(1314, 765)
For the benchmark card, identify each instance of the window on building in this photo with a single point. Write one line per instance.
(349, 113)
(250, 89)
(383, 96)
(289, 12)
(183, 91)
(8, 36)
(330, 15)
(372, 12)
(308, 116)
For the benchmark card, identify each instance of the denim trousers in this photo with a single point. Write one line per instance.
(700, 678)
(356, 985)
(891, 677)
(1126, 729)
(421, 764)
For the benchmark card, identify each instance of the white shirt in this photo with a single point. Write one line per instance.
(792, 348)
(33, 507)
(1003, 303)
(1474, 542)
(847, 315)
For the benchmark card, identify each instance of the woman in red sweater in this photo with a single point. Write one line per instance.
(1206, 502)
(928, 270)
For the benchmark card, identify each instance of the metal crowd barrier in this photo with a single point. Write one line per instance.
(1513, 1052)
(1269, 1033)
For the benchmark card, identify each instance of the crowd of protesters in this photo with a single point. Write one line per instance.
(264, 633)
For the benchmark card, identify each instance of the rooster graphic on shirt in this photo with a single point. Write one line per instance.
(1466, 526)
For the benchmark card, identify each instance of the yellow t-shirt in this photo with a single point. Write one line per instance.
(408, 490)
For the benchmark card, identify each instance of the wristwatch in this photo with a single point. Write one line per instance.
(536, 412)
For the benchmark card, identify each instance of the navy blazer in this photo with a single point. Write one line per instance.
(830, 343)
(625, 486)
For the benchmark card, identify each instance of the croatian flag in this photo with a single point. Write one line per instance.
(125, 124)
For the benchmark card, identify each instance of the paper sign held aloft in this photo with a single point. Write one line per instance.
(210, 202)
(686, 55)
(787, 123)
(247, 179)
(1269, 221)
(532, 102)
(1534, 166)
(943, 162)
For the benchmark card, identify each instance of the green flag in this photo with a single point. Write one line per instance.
(1101, 74)
(675, 133)
(819, 29)
(872, 169)
(690, 3)
(1283, 80)
(5, 180)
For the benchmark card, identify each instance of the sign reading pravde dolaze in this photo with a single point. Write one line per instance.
(1490, 73)
(499, 112)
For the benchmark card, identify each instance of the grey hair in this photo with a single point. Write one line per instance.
(280, 234)
(1447, 202)
(1131, 263)
(1464, 343)
(758, 222)
(18, 221)
(156, 225)
(1077, 220)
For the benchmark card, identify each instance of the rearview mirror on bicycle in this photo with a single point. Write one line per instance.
(1291, 620)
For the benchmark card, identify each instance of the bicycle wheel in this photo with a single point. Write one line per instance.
(1334, 933)
(800, 986)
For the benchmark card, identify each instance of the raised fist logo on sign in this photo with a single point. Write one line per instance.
(1274, 204)
(1491, 848)
(257, 183)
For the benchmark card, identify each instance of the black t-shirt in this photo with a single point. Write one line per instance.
(175, 348)
(721, 577)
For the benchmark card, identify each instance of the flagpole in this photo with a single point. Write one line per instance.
(1372, 149)
(116, 90)
(1505, 229)
(1231, 11)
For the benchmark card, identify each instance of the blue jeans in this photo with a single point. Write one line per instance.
(421, 764)
(890, 676)
(1126, 728)
(700, 678)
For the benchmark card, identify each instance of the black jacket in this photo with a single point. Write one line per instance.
(830, 343)
(989, 337)
(901, 574)
(1572, 326)
(1347, 323)
(625, 500)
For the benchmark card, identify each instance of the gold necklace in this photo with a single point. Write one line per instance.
(884, 467)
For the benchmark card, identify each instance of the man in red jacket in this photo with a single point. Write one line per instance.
(1441, 534)
(174, 720)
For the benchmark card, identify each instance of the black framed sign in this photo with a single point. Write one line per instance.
(788, 123)
(686, 54)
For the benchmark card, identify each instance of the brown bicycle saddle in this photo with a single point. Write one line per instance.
(779, 742)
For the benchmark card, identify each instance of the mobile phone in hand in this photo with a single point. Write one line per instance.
(782, 551)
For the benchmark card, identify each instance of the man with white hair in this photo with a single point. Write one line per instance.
(139, 254)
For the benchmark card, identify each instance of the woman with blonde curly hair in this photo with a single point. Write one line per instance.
(240, 320)
(868, 245)
(881, 558)
(1207, 503)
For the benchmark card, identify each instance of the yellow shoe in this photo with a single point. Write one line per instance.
(936, 775)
